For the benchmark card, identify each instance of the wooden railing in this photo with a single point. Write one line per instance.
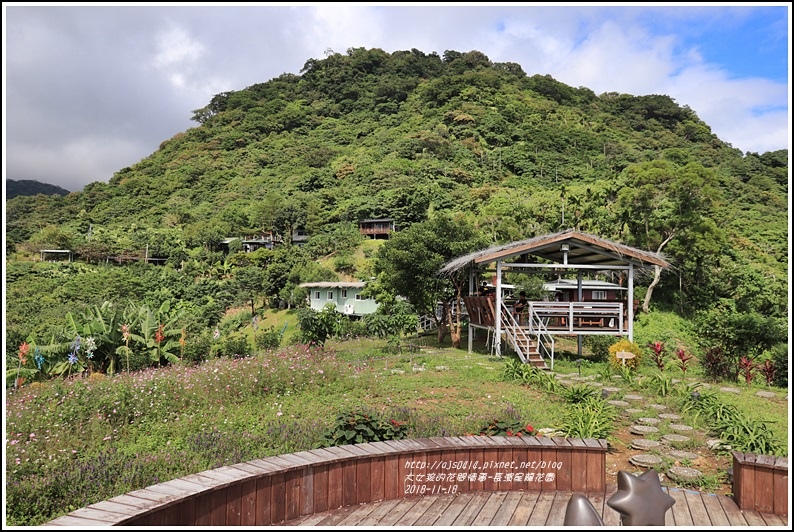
(573, 317)
(760, 482)
(275, 490)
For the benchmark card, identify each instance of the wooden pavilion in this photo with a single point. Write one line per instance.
(532, 335)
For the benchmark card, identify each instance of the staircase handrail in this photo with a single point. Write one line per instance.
(542, 332)
(515, 333)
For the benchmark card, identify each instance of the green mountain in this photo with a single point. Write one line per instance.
(30, 187)
(369, 134)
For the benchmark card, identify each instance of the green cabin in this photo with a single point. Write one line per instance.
(346, 297)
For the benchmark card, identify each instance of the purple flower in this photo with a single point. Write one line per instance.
(72, 358)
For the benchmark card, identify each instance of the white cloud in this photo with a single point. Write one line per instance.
(176, 49)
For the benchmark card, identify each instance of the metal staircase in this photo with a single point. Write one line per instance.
(532, 342)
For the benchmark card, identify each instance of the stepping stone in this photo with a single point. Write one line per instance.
(684, 474)
(683, 455)
(768, 395)
(675, 381)
(680, 428)
(565, 382)
(578, 378)
(611, 389)
(658, 407)
(674, 438)
(398, 371)
(632, 397)
(595, 384)
(671, 417)
(643, 429)
(648, 420)
(717, 445)
(632, 411)
(644, 445)
(418, 368)
(618, 403)
(616, 377)
(728, 389)
(441, 368)
(645, 460)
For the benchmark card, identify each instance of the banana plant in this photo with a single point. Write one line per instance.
(159, 332)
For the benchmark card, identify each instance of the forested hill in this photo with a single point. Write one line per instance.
(371, 134)
(30, 187)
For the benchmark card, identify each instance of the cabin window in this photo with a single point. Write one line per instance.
(344, 292)
(358, 297)
(317, 295)
(330, 296)
(599, 295)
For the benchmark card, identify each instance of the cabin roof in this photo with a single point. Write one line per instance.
(584, 249)
(334, 284)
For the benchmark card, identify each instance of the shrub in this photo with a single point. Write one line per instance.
(235, 347)
(780, 359)
(625, 345)
(361, 426)
(717, 366)
(197, 348)
(599, 346)
(268, 339)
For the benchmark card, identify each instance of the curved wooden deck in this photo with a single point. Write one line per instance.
(449, 481)
(530, 508)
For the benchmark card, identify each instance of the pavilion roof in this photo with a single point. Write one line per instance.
(584, 249)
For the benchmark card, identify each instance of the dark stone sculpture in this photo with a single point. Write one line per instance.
(580, 512)
(640, 500)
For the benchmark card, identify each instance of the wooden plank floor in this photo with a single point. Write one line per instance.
(530, 508)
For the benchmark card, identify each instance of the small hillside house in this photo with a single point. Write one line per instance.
(346, 297)
(52, 255)
(380, 228)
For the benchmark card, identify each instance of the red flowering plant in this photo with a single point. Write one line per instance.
(747, 366)
(684, 359)
(657, 354)
(512, 427)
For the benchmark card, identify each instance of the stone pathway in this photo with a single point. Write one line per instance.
(643, 430)
(645, 445)
(668, 432)
(684, 474)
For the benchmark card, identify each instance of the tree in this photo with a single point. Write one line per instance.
(250, 280)
(661, 201)
(409, 265)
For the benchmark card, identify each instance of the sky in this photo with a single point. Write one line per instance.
(89, 89)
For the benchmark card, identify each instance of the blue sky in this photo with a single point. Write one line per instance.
(91, 89)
